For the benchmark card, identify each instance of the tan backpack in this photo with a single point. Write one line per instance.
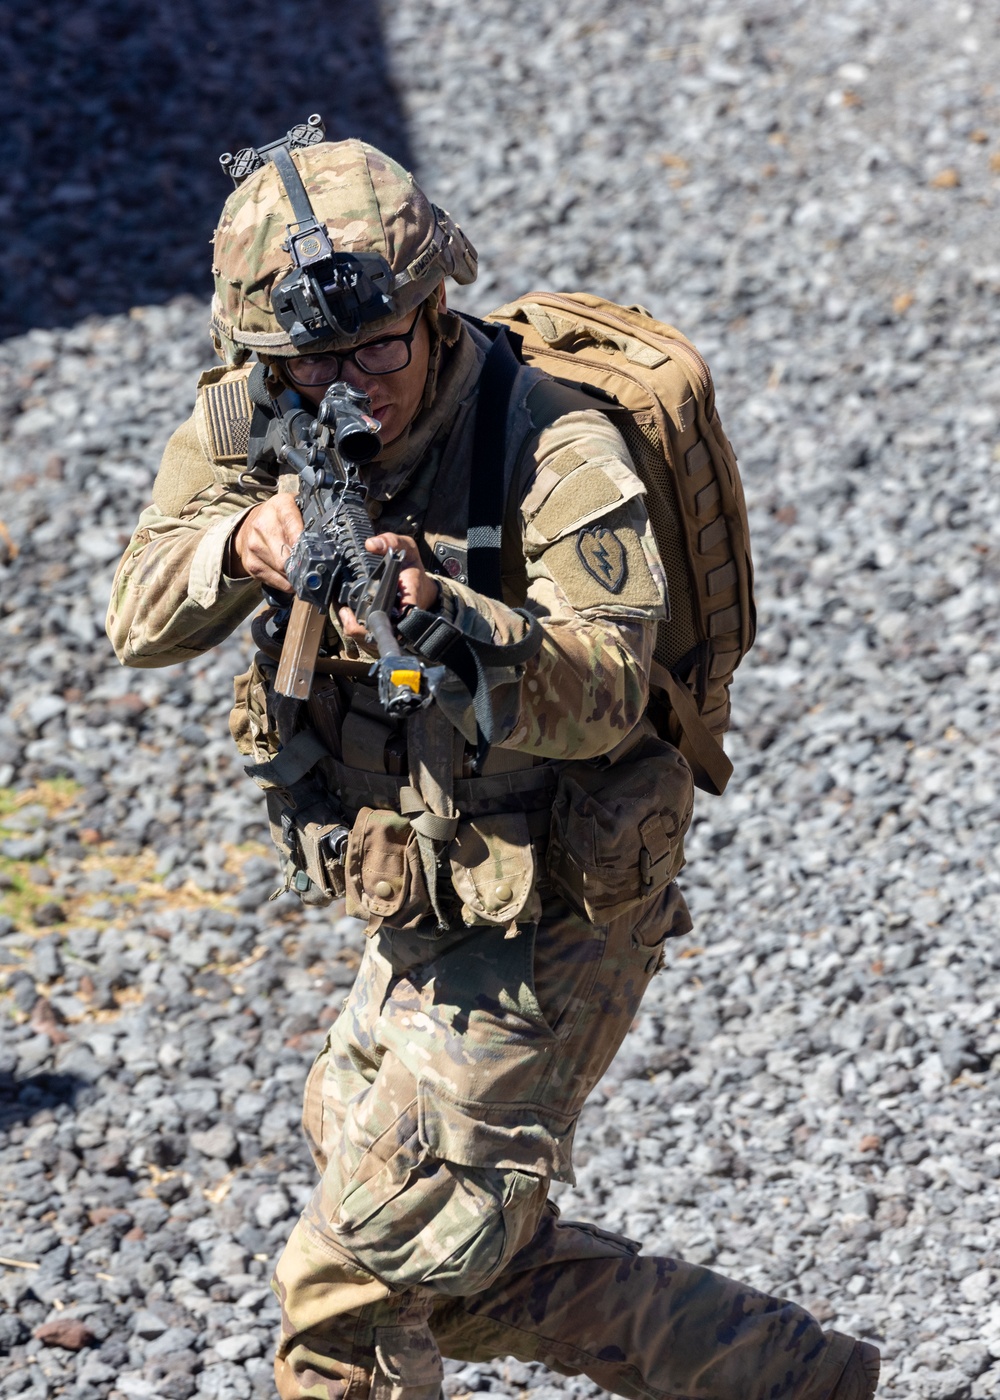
(665, 410)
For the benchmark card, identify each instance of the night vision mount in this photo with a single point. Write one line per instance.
(329, 294)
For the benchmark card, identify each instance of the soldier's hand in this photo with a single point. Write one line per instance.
(264, 541)
(417, 588)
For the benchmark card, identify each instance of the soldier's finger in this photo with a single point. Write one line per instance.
(266, 536)
(265, 550)
(381, 544)
(271, 579)
(352, 627)
(284, 524)
(273, 527)
(417, 588)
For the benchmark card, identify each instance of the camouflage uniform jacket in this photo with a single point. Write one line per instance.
(580, 553)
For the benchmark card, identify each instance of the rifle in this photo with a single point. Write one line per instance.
(329, 562)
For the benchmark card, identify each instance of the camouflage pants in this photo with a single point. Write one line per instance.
(441, 1108)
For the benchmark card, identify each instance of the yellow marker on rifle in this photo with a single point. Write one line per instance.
(410, 678)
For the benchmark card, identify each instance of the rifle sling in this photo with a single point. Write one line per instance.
(440, 642)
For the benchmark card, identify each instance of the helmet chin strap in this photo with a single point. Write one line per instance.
(444, 328)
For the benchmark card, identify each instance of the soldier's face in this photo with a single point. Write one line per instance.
(395, 397)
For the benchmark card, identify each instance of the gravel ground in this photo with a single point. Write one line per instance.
(808, 1100)
(115, 115)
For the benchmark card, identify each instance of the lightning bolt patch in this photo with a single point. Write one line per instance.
(603, 556)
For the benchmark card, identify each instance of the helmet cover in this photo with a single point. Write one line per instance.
(368, 204)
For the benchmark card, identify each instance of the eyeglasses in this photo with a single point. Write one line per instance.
(384, 356)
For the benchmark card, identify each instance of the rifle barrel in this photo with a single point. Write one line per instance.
(380, 627)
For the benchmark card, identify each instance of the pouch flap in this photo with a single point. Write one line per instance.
(383, 867)
(493, 867)
(617, 833)
(644, 801)
(506, 1136)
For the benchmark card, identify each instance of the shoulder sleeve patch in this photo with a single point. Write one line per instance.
(603, 565)
(228, 411)
(603, 556)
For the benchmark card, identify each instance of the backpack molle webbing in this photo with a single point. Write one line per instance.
(694, 498)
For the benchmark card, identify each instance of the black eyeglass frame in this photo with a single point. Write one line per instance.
(338, 357)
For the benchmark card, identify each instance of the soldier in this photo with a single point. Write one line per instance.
(488, 1004)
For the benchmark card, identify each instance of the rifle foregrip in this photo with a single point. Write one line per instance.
(300, 650)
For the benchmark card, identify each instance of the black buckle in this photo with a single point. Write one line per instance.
(437, 638)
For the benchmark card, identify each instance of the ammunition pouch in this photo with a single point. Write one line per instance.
(492, 862)
(617, 834)
(313, 797)
(385, 879)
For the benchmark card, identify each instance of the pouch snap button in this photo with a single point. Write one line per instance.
(504, 893)
(383, 890)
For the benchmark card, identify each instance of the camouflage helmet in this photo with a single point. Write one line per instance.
(364, 204)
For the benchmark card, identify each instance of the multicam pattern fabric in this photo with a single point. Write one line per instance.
(446, 1099)
(368, 204)
(437, 1122)
(579, 696)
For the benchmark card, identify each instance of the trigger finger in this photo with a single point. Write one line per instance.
(352, 627)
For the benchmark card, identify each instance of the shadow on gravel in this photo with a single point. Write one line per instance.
(21, 1099)
(114, 115)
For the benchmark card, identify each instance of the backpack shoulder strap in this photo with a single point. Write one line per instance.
(710, 764)
(487, 484)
